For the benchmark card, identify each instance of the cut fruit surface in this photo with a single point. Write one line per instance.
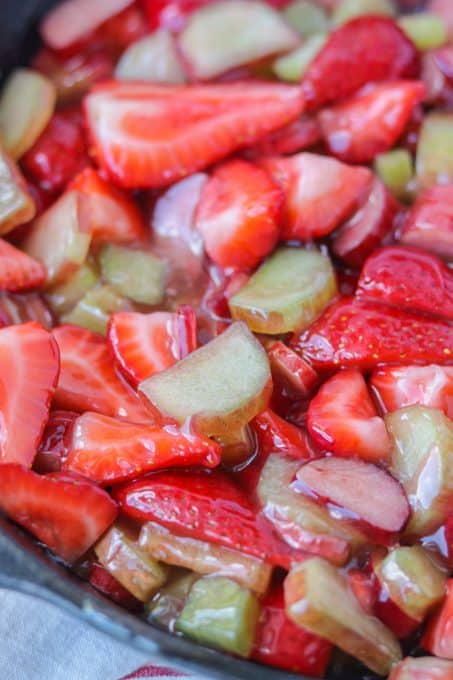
(166, 605)
(93, 310)
(434, 150)
(294, 372)
(395, 168)
(438, 636)
(292, 67)
(154, 57)
(137, 274)
(18, 271)
(53, 446)
(277, 435)
(301, 134)
(63, 297)
(16, 204)
(422, 668)
(429, 223)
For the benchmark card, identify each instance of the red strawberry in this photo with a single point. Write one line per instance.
(320, 193)
(238, 215)
(350, 60)
(113, 216)
(147, 135)
(438, 636)
(365, 334)
(28, 376)
(299, 135)
(103, 581)
(186, 330)
(371, 122)
(281, 643)
(365, 588)
(67, 514)
(18, 271)
(88, 380)
(356, 239)
(342, 419)
(293, 371)
(429, 223)
(409, 279)
(393, 616)
(53, 449)
(399, 386)
(107, 450)
(275, 434)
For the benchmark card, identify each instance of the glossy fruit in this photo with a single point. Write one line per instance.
(63, 297)
(154, 58)
(426, 30)
(105, 583)
(428, 223)
(276, 435)
(137, 274)
(306, 17)
(93, 310)
(290, 369)
(438, 636)
(53, 448)
(422, 668)
(167, 604)
(18, 271)
(16, 203)
(301, 134)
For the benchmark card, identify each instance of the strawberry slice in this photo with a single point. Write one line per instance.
(409, 279)
(438, 636)
(342, 419)
(371, 122)
(398, 386)
(299, 135)
(365, 334)
(28, 376)
(107, 450)
(320, 193)
(429, 223)
(275, 434)
(107, 584)
(288, 367)
(88, 380)
(18, 271)
(186, 330)
(113, 216)
(67, 514)
(147, 135)
(238, 215)
(349, 60)
(53, 449)
(356, 239)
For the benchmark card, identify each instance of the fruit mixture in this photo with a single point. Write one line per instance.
(226, 309)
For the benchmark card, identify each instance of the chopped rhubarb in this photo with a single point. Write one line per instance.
(137, 274)
(154, 57)
(426, 30)
(349, 9)
(94, 309)
(294, 372)
(435, 149)
(16, 203)
(63, 297)
(53, 448)
(167, 604)
(396, 170)
(306, 17)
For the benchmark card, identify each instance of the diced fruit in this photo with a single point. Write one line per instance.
(363, 586)
(306, 17)
(67, 514)
(387, 611)
(286, 293)
(350, 60)
(64, 296)
(317, 598)
(88, 380)
(426, 30)
(230, 33)
(222, 385)
(356, 239)
(238, 215)
(438, 637)
(287, 366)
(148, 135)
(204, 557)
(94, 309)
(238, 447)
(297, 136)
(395, 169)
(365, 490)
(65, 225)
(16, 204)
(399, 386)
(436, 74)
(342, 419)
(154, 58)
(370, 122)
(109, 451)
(428, 223)
(365, 334)
(321, 193)
(27, 103)
(103, 581)
(167, 604)
(293, 66)
(422, 668)
(137, 274)
(277, 435)
(348, 9)
(443, 9)
(413, 580)
(221, 613)
(53, 448)
(139, 574)
(18, 271)
(435, 150)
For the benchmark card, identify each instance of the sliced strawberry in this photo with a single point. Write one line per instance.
(356, 239)
(147, 135)
(409, 279)
(299, 135)
(67, 514)
(365, 334)
(422, 668)
(186, 330)
(429, 223)
(18, 271)
(320, 193)
(275, 434)
(28, 376)
(88, 380)
(53, 448)
(365, 588)
(438, 636)
(294, 372)
(342, 419)
(107, 450)
(349, 60)
(238, 215)
(103, 581)
(113, 216)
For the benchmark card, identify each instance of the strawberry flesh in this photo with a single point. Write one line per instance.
(53, 448)
(18, 271)
(438, 636)
(429, 223)
(107, 584)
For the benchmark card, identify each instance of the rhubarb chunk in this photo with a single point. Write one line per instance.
(137, 274)
(64, 296)
(168, 603)
(349, 9)
(153, 58)
(94, 309)
(16, 204)
(395, 168)
(426, 30)
(434, 162)
(306, 17)
(422, 668)
(428, 224)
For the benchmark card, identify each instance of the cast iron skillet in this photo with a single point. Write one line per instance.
(25, 567)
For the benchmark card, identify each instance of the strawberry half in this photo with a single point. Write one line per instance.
(67, 514)
(371, 122)
(365, 334)
(147, 135)
(349, 60)
(107, 450)
(320, 193)
(238, 215)
(88, 380)
(18, 271)
(429, 223)
(342, 419)
(28, 375)
(299, 135)
(409, 279)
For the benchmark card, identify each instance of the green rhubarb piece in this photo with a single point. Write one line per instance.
(166, 605)
(426, 30)
(317, 598)
(396, 170)
(16, 204)
(286, 293)
(222, 385)
(412, 579)
(93, 311)
(292, 66)
(348, 9)
(137, 274)
(64, 296)
(434, 161)
(421, 459)
(306, 17)
(154, 58)
(221, 613)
